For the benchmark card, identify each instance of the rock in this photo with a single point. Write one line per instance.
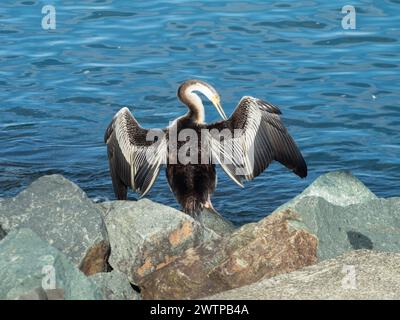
(214, 221)
(115, 286)
(2, 233)
(345, 215)
(60, 213)
(35, 294)
(340, 188)
(41, 294)
(374, 224)
(277, 244)
(360, 274)
(145, 236)
(27, 264)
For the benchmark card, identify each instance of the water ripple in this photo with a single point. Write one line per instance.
(108, 14)
(337, 89)
(354, 40)
(287, 24)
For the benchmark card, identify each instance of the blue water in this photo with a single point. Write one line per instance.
(338, 89)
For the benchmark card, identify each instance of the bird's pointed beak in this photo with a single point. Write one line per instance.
(217, 104)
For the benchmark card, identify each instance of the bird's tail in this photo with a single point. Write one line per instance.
(192, 206)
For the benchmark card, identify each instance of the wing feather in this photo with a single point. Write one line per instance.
(134, 158)
(262, 139)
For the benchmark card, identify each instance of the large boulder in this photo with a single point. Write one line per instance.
(2, 233)
(214, 221)
(32, 269)
(374, 224)
(340, 188)
(60, 213)
(42, 294)
(145, 236)
(345, 215)
(357, 275)
(277, 244)
(114, 285)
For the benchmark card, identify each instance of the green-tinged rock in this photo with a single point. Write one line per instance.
(373, 224)
(115, 285)
(60, 213)
(145, 236)
(345, 215)
(214, 221)
(27, 263)
(340, 188)
(2, 233)
(42, 294)
(357, 275)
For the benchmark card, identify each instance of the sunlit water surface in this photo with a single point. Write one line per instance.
(338, 89)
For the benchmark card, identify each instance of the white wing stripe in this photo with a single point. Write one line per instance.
(143, 160)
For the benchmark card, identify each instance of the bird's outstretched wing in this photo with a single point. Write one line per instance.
(135, 154)
(258, 137)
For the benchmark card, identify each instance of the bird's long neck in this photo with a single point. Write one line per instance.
(195, 105)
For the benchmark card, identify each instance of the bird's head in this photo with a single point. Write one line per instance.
(187, 94)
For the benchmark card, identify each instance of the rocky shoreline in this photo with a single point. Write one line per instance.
(335, 240)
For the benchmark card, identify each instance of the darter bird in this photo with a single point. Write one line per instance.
(256, 137)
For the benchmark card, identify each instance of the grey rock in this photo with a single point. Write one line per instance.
(345, 215)
(373, 224)
(339, 188)
(55, 294)
(214, 221)
(42, 294)
(2, 233)
(360, 274)
(145, 236)
(27, 263)
(115, 285)
(35, 294)
(60, 213)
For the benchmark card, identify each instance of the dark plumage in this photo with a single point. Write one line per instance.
(135, 160)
